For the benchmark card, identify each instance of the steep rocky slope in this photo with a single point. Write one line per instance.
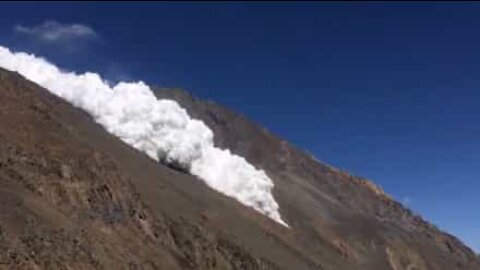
(351, 214)
(75, 197)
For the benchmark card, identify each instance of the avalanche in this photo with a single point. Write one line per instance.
(160, 128)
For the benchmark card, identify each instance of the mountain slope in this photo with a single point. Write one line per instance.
(353, 215)
(75, 197)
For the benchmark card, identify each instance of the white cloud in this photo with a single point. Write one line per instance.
(407, 201)
(53, 31)
(160, 128)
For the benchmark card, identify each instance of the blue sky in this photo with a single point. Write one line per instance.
(385, 91)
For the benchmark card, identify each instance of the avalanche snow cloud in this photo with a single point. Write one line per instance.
(160, 128)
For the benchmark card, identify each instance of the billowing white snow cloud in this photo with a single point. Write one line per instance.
(160, 128)
(52, 31)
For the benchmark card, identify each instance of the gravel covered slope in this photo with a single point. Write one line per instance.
(74, 197)
(331, 209)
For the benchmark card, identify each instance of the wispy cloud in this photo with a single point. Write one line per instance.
(407, 201)
(53, 31)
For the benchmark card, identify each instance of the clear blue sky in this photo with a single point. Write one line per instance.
(385, 91)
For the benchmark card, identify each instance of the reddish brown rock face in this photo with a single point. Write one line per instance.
(74, 197)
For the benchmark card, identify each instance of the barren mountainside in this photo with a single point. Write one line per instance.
(72, 196)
